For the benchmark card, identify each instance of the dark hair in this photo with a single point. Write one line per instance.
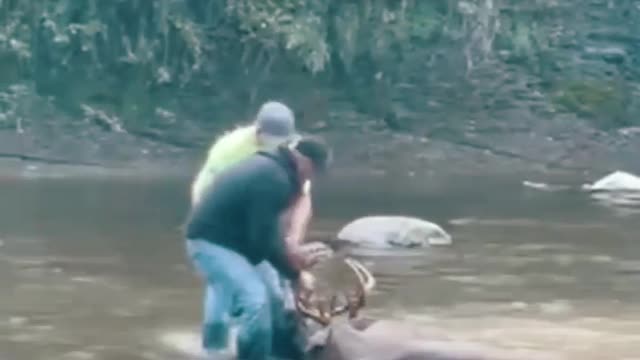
(315, 150)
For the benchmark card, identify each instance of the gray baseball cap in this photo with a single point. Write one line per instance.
(276, 120)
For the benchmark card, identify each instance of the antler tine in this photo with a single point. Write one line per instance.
(316, 315)
(320, 314)
(366, 282)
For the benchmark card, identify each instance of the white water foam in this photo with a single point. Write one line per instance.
(189, 343)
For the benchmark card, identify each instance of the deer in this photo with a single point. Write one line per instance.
(370, 339)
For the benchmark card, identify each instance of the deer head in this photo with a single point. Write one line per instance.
(324, 311)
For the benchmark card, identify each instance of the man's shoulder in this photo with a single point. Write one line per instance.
(266, 162)
(239, 140)
(253, 165)
(267, 169)
(256, 178)
(231, 147)
(238, 136)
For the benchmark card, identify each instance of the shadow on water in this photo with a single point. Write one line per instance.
(95, 269)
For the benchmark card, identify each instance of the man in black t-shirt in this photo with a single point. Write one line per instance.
(234, 227)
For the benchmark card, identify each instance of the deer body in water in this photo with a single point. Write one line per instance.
(365, 339)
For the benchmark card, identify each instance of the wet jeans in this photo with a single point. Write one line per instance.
(253, 294)
(288, 338)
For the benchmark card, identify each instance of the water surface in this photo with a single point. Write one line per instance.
(95, 269)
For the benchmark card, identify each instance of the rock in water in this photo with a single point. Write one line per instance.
(393, 231)
(616, 181)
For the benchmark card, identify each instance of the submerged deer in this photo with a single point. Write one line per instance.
(367, 339)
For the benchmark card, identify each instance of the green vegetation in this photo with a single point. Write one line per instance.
(604, 102)
(138, 63)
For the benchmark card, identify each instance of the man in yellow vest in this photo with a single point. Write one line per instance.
(274, 125)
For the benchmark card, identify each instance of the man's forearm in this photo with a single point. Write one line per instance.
(298, 220)
(279, 255)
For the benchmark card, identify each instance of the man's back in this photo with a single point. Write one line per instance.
(247, 196)
(230, 148)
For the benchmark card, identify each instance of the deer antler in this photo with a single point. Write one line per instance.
(366, 283)
(322, 315)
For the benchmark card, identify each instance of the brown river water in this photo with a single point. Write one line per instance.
(95, 268)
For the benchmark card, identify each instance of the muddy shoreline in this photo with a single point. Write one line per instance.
(561, 149)
(574, 156)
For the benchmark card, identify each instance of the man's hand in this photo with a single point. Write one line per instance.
(306, 255)
(304, 285)
(307, 281)
(312, 252)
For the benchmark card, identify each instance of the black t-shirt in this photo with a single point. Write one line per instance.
(241, 211)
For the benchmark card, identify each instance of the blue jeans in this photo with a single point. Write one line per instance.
(288, 340)
(253, 293)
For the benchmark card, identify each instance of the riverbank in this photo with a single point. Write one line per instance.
(558, 150)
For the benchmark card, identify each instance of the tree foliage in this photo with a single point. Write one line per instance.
(138, 58)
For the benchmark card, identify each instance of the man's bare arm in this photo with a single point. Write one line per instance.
(299, 218)
(295, 221)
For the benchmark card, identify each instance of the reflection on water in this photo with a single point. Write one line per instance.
(621, 202)
(95, 269)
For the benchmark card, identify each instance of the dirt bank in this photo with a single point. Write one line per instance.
(531, 149)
